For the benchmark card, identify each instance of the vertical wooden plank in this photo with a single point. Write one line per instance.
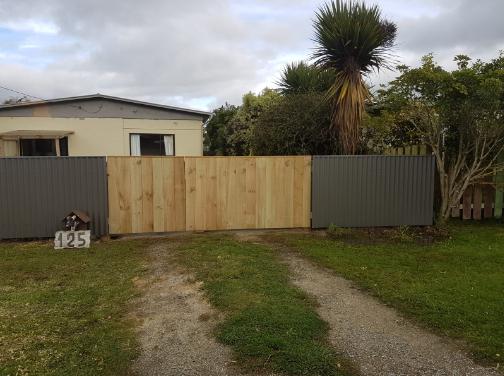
(168, 194)
(400, 151)
(278, 187)
(221, 194)
(229, 211)
(499, 194)
(477, 200)
(455, 211)
(125, 197)
(210, 201)
(179, 194)
(158, 201)
(190, 178)
(237, 189)
(236, 185)
(271, 210)
(113, 174)
(414, 150)
(488, 198)
(250, 199)
(147, 196)
(260, 189)
(466, 203)
(200, 195)
(242, 218)
(288, 196)
(423, 150)
(298, 194)
(135, 166)
(407, 150)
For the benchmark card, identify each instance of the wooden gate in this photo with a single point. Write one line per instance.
(162, 194)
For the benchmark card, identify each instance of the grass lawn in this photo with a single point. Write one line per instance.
(269, 323)
(64, 312)
(455, 286)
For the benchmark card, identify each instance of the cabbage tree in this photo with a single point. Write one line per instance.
(352, 39)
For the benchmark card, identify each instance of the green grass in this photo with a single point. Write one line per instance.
(269, 323)
(65, 312)
(455, 286)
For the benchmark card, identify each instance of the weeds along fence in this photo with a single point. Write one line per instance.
(127, 195)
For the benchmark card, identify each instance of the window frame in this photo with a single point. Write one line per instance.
(152, 134)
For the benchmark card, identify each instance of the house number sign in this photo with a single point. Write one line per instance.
(72, 239)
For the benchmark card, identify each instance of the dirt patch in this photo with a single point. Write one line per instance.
(372, 335)
(177, 324)
(420, 235)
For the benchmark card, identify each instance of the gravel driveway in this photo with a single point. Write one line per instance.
(374, 336)
(177, 324)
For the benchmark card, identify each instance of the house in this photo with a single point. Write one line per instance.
(99, 125)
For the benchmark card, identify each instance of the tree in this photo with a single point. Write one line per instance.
(229, 129)
(353, 40)
(302, 78)
(295, 124)
(216, 131)
(243, 122)
(459, 115)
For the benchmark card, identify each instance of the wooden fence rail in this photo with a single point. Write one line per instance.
(162, 194)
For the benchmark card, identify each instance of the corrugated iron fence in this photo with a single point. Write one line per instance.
(37, 192)
(366, 191)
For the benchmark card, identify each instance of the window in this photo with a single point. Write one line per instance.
(152, 144)
(42, 147)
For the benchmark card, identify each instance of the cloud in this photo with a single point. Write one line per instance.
(201, 53)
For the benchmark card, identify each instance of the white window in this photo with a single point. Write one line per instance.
(152, 144)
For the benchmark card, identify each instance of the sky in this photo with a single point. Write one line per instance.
(201, 54)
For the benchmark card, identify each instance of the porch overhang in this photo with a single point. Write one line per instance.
(42, 134)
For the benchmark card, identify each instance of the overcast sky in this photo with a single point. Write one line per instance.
(201, 53)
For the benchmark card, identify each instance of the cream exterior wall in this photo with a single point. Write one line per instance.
(106, 136)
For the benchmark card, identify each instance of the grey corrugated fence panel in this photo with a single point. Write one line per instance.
(37, 192)
(367, 191)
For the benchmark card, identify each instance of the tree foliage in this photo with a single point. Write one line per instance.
(302, 78)
(352, 39)
(228, 132)
(296, 124)
(459, 114)
(217, 131)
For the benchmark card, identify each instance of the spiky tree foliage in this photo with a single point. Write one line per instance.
(352, 39)
(303, 78)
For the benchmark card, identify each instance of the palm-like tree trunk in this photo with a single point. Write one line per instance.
(348, 109)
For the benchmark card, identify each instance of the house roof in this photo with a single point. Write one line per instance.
(106, 97)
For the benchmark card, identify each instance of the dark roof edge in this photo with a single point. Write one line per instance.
(103, 96)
